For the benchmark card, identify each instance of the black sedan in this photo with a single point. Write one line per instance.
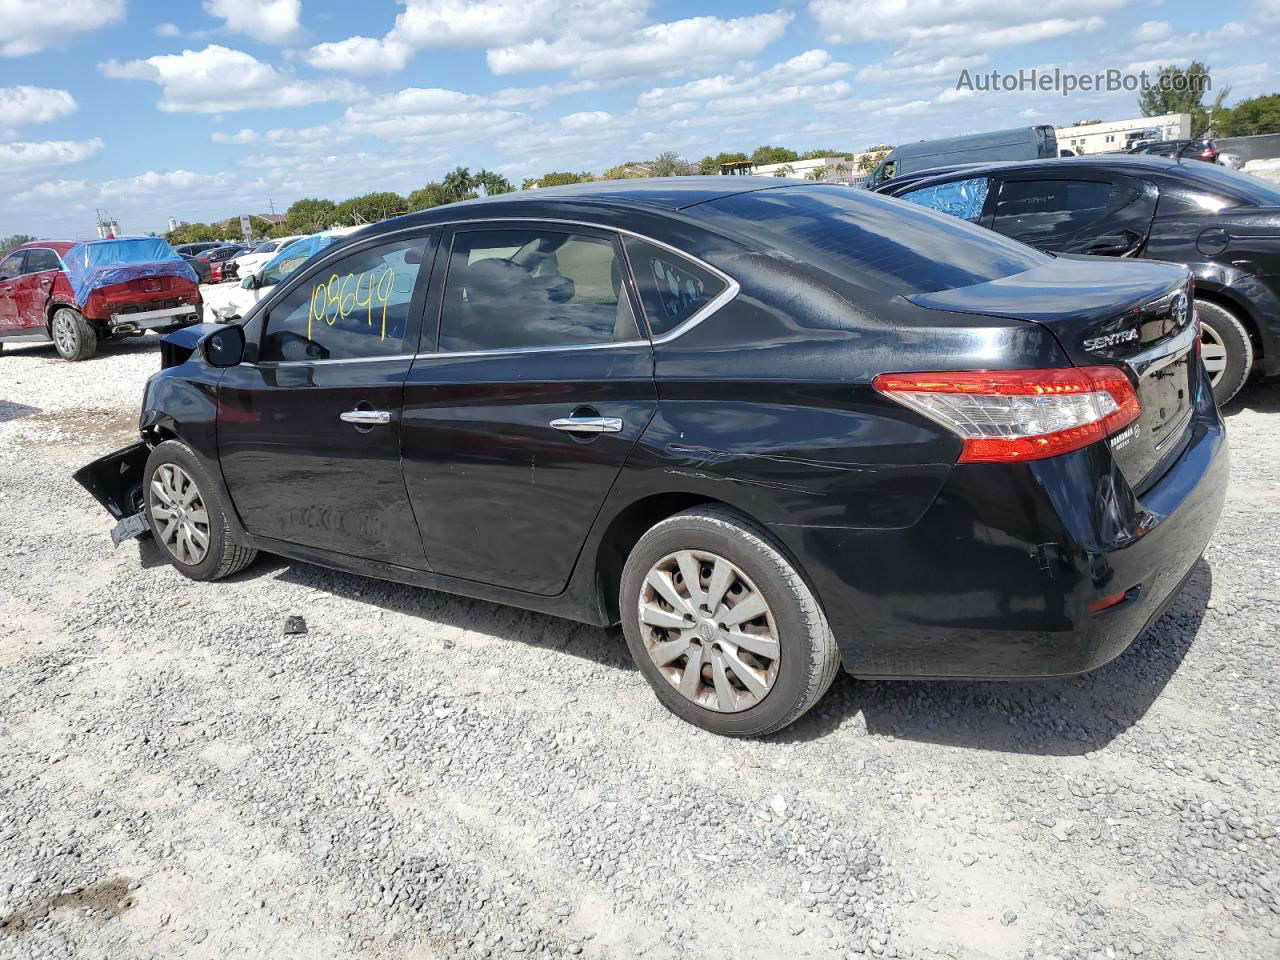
(1223, 225)
(771, 428)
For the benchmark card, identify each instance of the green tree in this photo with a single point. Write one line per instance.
(710, 166)
(668, 164)
(458, 182)
(816, 154)
(194, 233)
(492, 183)
(623, 171)
(9, 244)
(370, 208)
(768, 154)
(1249, 117)
(1176, 90)
(431, 195)
(870, 158)
(310, 215)
(559, 178)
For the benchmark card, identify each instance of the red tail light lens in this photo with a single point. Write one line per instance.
(1006, 416)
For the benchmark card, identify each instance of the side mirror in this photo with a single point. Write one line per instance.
(250, 282)
(225, 347)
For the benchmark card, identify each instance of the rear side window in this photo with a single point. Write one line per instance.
(672, 288)
(960, 198)
(357, 307)
(525, 288)
(1042, 209)
(41, 258)
(871, 240)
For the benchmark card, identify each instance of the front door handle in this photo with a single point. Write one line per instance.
(588, 424)
(365, 417)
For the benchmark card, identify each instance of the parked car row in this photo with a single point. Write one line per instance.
(1223, 225)
(772, 428)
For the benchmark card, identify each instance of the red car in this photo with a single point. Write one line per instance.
(78, 293)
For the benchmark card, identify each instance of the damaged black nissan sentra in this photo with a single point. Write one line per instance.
(771, 428)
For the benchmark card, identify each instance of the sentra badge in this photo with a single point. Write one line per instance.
(1111, 339)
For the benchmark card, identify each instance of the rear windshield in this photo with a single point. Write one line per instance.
(870, 240)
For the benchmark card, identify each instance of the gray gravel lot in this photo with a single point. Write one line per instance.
(425, 776)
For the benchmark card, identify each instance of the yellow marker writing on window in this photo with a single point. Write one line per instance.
(339, 296)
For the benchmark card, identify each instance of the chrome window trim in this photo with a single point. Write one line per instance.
(555, 348)
(309, 363)
(732, 287)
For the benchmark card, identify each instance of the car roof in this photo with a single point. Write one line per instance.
(1133, 163)
(62, 246)
(666, 193)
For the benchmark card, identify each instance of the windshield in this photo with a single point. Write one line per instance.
(292, 257)
(267, 247)
(871, 240)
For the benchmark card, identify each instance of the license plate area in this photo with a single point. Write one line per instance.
(1166, 390)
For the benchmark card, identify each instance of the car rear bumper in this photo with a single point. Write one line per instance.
(997, 579)
(154, 319)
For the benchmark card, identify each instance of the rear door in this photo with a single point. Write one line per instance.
(10, 275)
(309, 430)
(40, 272)
(1089, 213)
(520, 414)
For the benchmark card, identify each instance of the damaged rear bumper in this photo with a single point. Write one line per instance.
(115, 481)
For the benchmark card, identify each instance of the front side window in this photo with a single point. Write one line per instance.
(960, 198)
(1044, 209)
(672, 288)
(353, 308)
(11, 266)
(522, 288)
(41, 259)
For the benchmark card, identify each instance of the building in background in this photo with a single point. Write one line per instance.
(1116, 136)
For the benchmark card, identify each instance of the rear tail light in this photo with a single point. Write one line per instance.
(1006, 416)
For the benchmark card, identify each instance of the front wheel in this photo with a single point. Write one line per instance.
(1226, 350)
(188, 517)
(74, 337)
(722, 626)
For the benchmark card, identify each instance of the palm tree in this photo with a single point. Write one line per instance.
(458, 182)
(493, 183)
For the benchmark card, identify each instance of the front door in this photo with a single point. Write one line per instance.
(309, 429)
(517, 426)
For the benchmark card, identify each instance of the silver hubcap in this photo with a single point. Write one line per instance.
(64, 333)
(709, 631)
(181, 520)
(1212, 352)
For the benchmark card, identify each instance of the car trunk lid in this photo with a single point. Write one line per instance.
(1135, 315)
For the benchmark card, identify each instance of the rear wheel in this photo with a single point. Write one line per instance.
(1225, 348)
(73, 336)
(722, 625)
(188, 517)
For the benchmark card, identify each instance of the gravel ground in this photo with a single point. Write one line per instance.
(425, 776)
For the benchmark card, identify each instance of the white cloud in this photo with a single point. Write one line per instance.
(476, 24)
(812, 77)
(20, 158)
(244, 135)
(956, 23)
(25, 105)
(586, 120)
(220, 80)
(1153, 30)
(29, 26)
(270, 21)
(681, 46)
(287, 138)
(420, 113)
(167, 30)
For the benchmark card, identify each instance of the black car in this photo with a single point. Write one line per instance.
(1223, 225)
(1205, 150)
(196, 249)
(772, 428)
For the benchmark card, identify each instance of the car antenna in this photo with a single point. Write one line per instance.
(1183, 148)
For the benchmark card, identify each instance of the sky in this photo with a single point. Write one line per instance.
(204, 109)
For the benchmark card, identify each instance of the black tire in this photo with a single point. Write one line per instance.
(808, 656)
(74, 337)
(1221, 324)
(222, 556)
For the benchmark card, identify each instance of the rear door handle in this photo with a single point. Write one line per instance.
(588, 424)
(365, 417)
